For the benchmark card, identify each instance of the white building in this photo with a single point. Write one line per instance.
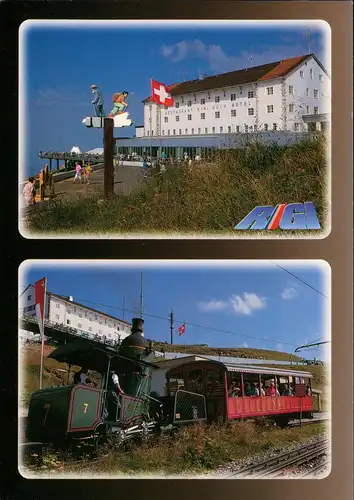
(65, 311)
(274, 96)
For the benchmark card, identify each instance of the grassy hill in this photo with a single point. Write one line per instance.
(227, 351)
(201, 198)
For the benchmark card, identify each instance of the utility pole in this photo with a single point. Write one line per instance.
(309, 40)
(171, 326)
(123, 306)
(141, 296)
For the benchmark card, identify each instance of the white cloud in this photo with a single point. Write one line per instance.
(247, 303)
(280, 347)
(219, 61)
(244, 344)
(289, 293)
(62, 97)
(244, 304)
(213, 305)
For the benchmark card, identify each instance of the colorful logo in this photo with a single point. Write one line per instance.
(285, 216)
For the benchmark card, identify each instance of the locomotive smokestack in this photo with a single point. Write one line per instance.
(138, 326)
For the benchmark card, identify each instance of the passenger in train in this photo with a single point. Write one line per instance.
(287, 391)
(262, 391)
(308, 390)
(80, 376)
(254, 389)
(272, 390)
(234, 390)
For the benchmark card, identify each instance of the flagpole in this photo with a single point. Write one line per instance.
(150, 108)
(41, 328)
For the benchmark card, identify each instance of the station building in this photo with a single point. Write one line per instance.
(65, 311)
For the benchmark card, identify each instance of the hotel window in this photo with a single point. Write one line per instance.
(291, 90)
(221, 130)
(315, 93)
(68, 311)
(74, 309)
(320, 77)
(177, 118)
(29, 298)
(255, 128)
(229, 129)
(80, 315)
(213, 130)
(206, 130)
(177, 104)
(315, 110)
(270, 109)
(163, 132)
(202, 100)
(199, 130)
(275, 126)
(57, 316)
(68, 321)
(217, 114)
(168, 132)
(79, 325)
(233, 97)
(233, 112)
(148, 133)
(152, 132)
(57, 306)
(189, 117)
(90, 329)
(308, 110)
(192, 132)
(186, 131)
(307, 92)
(180, 132)
(174, 132)
(166, 119)
(311, 74)
(246, 128)
(266, 127)
(270, 91)
(291, 108)
(202, 116)
(251, 128)
(237, 128)
(217, 98)
(250, 94)
(189, 104)
(250, 111)
(301, 74)
(296, 127)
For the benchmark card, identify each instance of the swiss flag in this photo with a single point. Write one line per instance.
(160, 94)
(182, 329)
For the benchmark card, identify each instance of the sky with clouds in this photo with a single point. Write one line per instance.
(60, 64)
(258, 306)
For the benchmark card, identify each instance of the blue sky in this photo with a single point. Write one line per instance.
(258, 301)
(60, 64)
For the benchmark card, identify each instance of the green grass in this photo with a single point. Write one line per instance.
(196, 449)
(201, 199)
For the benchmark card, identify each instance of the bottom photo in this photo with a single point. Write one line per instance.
(174, 369)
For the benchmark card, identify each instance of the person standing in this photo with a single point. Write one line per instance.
(98, 101)
(78, 170)
(29, 192)
(88, 173)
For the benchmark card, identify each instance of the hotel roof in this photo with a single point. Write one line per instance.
(254, 74)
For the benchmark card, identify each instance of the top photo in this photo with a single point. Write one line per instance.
(174, 129)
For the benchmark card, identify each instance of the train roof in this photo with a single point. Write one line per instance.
(94, 357)
(231, 367)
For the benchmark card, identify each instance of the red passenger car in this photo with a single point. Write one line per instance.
(244, 391)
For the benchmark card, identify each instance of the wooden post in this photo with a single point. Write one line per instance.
(57, 164)
(108, 144)
(300, 411)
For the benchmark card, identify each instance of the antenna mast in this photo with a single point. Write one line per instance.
(141, 296)
(309, 40)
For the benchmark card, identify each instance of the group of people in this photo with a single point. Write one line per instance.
(253, 389)
(119, 102)
(82, 173)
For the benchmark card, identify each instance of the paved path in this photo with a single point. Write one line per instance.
(124, 181)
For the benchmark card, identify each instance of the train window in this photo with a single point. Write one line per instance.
(215, 382)
(234, 384)
(251, 384)
(268, 385)
(194, 381)
(175, 383)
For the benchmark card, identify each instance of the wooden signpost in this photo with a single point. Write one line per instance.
(108, 145)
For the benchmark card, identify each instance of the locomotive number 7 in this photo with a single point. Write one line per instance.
(85, 407)
(46, 408)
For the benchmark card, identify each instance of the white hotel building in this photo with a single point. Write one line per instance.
(65, 311)
(292, 95)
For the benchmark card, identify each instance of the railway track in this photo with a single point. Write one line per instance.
(275, 466)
